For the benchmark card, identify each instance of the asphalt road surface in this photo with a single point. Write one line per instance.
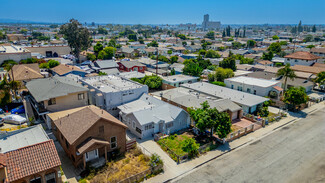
(293, 154)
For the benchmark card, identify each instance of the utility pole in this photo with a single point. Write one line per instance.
(157, 62)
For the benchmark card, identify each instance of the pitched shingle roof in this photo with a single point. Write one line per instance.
(317, 50)
(130, 64)
(47, 88)
(309, 69)
(26, 72)
(303, 55)
(64, 69)
(32, 159)
(81, 120)
(103, 64)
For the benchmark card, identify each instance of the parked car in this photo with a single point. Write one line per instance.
(14, 119)
(18, 110)
(1, 121)
(2, 111)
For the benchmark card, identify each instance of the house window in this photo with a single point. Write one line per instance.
(50, 178)
(133, 124)
(254, 92)
(101, 129)
(113, 142)
(52, 101)
(232, 86)
(296, 60)
(248, 90)
(81, 96)
(66, 144)
(36, 180)
(169, 125)
(124, 94)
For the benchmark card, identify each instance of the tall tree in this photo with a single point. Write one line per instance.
(251, 43)
(295, 96)
(314, 28)
(286, 72)
(229, 62)
(78, 37)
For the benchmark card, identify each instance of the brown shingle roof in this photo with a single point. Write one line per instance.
(64, 69)
(26, 72)
(318, 65)
(265, 62)
(303, 55)
(91, 143)
(81, 120)
(3, 159)
(317, 50)
(309, 69)
(32, 159)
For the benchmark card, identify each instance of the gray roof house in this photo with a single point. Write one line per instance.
(185, 98)
(106, 64)
(55, 94)
(149, 115)
(248, 102)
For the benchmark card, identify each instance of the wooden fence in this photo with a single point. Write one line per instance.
(130, 144)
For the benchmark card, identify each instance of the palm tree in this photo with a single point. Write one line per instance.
(286, 72)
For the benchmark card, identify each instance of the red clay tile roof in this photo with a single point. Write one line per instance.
(303, 55)
(32, 159)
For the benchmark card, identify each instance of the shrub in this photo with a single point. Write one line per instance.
(219, 83)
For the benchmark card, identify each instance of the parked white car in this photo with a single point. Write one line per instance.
(14, 119)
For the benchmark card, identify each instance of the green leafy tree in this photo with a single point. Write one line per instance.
(173, 59)
(53, 63)
(101, 73)
(300, 28)
(172, 72)
(275, 48)
(210, 35)
(236, 45)
(7, 64)
(210, 118)
(190, 146)
(184, 43)
(275, 37)
(153, 82)
(102, 30)
(310, 46)
(98, 47)
(320, 80)
(91, 57)
(169, 52)
(267, 56)
(229, 62)
(153, 44)
(212, 54)
(221, 74)
(308, 38)
(132, 37)
(44, 66)
(78, 37)
(314, 28)
(2, 35)
(283, 43)
(251, 43)
(181, 36)
(286, 72)
(112, 43)
(295, 96)
(192, 69)
(141, 40)
(106, 53)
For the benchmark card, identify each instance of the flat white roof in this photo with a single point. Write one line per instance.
(12, 49)
(253, 81)
(178, 78)
(111, 83)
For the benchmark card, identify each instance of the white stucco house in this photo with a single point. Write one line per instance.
(301, 58)
(149, 115)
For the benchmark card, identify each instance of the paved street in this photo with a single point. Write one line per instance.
(295, 153)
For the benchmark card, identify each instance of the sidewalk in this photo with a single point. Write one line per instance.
(174, 171)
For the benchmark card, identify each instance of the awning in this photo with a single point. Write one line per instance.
(91, 145)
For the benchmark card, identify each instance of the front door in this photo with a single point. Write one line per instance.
(91, 155)
(161, 127)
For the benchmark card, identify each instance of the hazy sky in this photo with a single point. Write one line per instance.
(166, 11)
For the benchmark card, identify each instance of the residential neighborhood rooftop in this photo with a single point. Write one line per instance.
(253, 81)
(238, 97)
(111, 83)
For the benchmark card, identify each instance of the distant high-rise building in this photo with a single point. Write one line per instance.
(209, 24)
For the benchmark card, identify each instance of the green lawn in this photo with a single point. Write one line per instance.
(174, 143)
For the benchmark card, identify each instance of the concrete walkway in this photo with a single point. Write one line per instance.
(173, 171)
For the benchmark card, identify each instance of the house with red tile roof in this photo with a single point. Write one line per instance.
(28, 155)
(301, 58)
